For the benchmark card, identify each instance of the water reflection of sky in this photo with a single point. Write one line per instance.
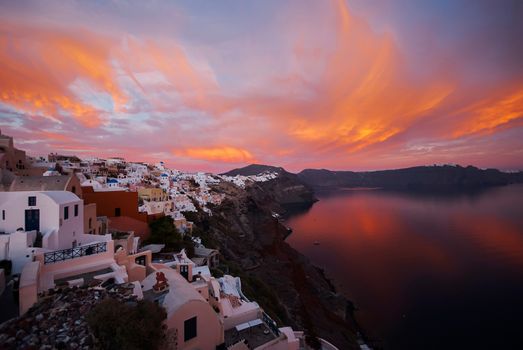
(397, 254)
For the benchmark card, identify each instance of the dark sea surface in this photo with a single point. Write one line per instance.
(426, 270)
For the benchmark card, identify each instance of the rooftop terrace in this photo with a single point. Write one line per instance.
(254, 333)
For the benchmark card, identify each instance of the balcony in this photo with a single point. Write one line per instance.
(73, 253)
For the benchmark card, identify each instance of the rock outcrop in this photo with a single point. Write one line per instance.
(287, 190)
(58, 320)
(284, 282)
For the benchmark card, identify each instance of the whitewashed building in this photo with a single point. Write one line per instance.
(58, 215)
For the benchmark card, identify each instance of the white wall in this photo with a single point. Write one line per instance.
(4, 246)
(71, 228)
(51, 212)
(208, 328)
(16, 204)
(20, 250)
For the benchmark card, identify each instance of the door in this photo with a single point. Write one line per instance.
(32, 219)
(184, 271)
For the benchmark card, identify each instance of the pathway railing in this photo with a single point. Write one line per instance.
(72, 253)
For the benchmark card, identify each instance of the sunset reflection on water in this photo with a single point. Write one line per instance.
(414, 263)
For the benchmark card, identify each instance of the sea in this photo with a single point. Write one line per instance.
(426, 270)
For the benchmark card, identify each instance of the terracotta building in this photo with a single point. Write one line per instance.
(121, 207)
(114, 203)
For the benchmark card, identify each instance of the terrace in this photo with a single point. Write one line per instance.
(119, 235)
(253, 334)
(87, 278)
(72, 253)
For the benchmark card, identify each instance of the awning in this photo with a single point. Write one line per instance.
(249, 324)
(255, 322)
(242, 326)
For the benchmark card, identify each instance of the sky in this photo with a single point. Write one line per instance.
(215, 85)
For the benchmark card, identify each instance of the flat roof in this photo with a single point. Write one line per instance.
(60, 197)
(255, 335)
(40, 183)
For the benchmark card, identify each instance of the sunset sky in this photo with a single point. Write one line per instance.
(213, 85)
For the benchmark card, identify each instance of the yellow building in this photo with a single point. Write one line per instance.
(152, 194)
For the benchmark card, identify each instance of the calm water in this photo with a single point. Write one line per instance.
(427, 271)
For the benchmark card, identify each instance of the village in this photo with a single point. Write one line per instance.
(68, 222)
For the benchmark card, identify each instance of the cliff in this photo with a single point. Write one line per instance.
(282, 280)
(285, 192)
(255, 169)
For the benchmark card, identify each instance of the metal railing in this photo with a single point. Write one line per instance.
(271, 324)
(72, 253)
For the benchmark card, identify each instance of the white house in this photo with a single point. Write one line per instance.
(93, 183)
(57, 215)
(160, 166)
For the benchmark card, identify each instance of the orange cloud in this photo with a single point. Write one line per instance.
(489, 114)
(223, 154)
(54, 136)
(39, 65)
(365, 96)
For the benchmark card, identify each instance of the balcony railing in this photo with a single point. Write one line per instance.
(271, 324)
(72, 253)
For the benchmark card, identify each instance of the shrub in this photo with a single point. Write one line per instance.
(163, 231)
(7, 265)
(119, 325)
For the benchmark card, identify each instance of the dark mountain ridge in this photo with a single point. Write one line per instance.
(415, 178)
(255, 169)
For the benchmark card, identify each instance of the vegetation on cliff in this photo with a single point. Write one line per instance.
(164, 232)
(118, 325)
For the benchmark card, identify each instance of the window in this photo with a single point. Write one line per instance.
(76, 210)
(189, 329)
(66, 213)
(117, 212)
(31, 201)
(3, 214)
(90, 223)
(73, 189)
(141, 260)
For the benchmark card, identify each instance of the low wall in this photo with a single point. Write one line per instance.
(71, 267)
(28, 290)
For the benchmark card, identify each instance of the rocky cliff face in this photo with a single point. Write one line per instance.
(283, 281)
(285, 192)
